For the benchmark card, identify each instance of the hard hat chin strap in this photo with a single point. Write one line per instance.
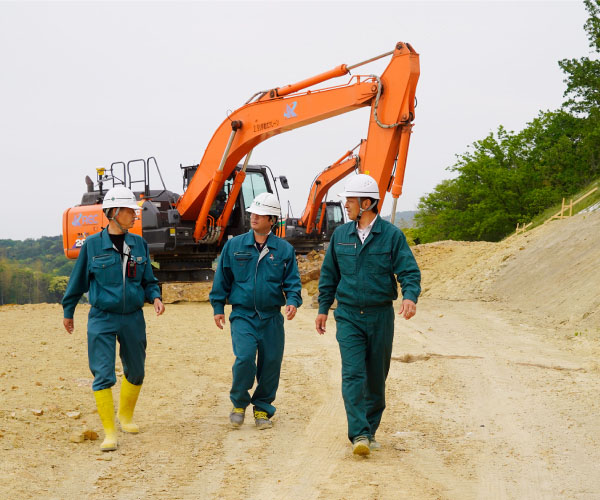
(361, 210)
(114, 219)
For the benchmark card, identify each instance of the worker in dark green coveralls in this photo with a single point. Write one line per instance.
(364, 259)
(257, 274)
(114, 266)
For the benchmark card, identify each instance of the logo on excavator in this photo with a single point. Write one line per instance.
(80, 219)
(289, 110)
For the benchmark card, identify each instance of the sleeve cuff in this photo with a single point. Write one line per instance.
(218, 309)
(324, 309)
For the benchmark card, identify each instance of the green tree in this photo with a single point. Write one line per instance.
(583, 74)
(57, 287)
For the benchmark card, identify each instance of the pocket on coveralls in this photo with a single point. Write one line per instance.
(241, 266)
(346, 257)
(275, 268)
(379, 260)
(107, 269)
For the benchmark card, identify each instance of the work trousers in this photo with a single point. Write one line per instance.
(365, 339)
(258, 349)
(104, 329)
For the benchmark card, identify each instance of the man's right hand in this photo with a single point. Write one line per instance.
(320, 323)
(220, 320)
(69, 324)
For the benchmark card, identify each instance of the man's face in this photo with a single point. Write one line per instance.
(352, 208)
(261, 223)
(126, 217)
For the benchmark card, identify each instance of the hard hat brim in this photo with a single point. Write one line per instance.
(355, 194)
(126, 204)
(259, 211)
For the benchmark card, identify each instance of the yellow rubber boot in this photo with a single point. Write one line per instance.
(127, 401)
(106, 410)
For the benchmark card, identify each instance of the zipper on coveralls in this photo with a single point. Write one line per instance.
(263, 252)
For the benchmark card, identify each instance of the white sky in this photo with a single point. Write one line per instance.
(84, 84)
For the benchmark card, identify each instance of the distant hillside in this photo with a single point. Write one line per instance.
(404, 219)
(33, 271)
(44, 254)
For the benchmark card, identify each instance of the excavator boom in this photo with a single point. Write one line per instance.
(390, 96)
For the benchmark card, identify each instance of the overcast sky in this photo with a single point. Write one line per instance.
(85, 84)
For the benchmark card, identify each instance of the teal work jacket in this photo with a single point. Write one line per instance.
(99, 270)
(363, 276)
(256, 283)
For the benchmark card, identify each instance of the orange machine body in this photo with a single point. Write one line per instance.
(320, 186)
(82, 221)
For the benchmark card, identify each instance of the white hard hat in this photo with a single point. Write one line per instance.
(120, 197)
(361, 186)
(265, 204)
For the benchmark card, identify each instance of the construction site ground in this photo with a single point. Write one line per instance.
(493, 393)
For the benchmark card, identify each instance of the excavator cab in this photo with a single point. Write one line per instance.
(296, 233)
(87, 218)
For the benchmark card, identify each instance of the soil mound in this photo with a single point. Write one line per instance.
(551, 271)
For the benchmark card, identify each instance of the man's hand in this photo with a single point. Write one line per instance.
(159, 307)
(290, 311)
(320, 323)
(220, 320)
(408, 309)
(68, 324)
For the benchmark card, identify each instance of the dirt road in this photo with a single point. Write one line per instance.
(488, 398)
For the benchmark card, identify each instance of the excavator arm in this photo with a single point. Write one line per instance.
(320, 186)
(391, 97)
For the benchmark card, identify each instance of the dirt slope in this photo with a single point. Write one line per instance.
(492, 394)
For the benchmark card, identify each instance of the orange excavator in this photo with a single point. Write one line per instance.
(185, 233)
(320, 218)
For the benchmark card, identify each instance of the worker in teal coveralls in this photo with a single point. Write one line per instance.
(257, 274)
(114, 266)
(364, 259)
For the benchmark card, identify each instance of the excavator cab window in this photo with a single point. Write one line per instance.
(254, 184)
(335, 217)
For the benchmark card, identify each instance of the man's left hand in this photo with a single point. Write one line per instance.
(290, 312)
(408, 309)
(159, 307)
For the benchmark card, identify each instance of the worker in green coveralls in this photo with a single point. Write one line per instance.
(364, 261)
(114, 266)
(257, 274)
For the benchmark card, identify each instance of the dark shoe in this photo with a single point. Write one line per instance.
(261, 419)
(236, 417)
(360, 446)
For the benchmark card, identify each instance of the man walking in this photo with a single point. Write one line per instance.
(114, 266)
(364, 259)
(257, 274)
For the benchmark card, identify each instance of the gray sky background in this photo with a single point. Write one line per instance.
(84, 84)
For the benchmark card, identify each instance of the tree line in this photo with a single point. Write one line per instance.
(33, 270)
(509, 177)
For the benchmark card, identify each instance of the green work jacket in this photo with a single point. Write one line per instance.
(363, 275)
(99, 270)
(256, 283)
